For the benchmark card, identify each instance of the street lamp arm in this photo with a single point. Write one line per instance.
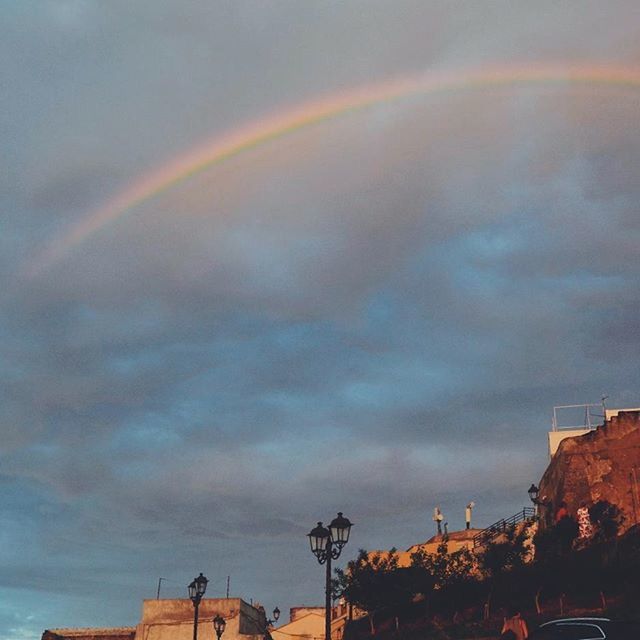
(335, 551)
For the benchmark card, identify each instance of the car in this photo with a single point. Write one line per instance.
(587, 629)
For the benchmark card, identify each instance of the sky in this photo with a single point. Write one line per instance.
(373, 312)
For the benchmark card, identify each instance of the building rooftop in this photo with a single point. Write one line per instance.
(90, 633)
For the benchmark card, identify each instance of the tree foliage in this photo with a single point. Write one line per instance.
(460, 585)
(505, 554)
(375, 581)
(445, 568)
(554, 543)
(606, 519)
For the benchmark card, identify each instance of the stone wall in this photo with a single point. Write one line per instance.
(603, 464)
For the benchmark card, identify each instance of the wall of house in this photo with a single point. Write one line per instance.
(173, 620)
(556, 437)
(299, 612)
(113, 633)
(304, 627)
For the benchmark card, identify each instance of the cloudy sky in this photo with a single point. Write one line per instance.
(374, 313)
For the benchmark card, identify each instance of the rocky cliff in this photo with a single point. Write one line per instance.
(603, 464)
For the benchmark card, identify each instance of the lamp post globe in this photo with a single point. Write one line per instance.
(271, 621)
(219, 624)
(340, 529)
(533, 493)
(319, 539)
(196, 589)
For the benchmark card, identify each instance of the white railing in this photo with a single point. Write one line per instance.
(588, 422)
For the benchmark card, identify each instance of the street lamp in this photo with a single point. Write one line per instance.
(196, 588)
(276, 615)
(219, 624)
(543, 516)
(326, 545)
(533, 496)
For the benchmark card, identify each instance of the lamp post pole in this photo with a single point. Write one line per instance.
(326, 545)
(195, 620)
(196, 588)
(327, 595)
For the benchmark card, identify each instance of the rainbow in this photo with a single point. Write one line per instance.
(259, 132)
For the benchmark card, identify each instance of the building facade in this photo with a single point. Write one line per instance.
(173, 620)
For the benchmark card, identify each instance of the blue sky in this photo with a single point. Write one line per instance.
(374, 315)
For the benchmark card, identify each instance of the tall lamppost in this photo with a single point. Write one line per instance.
(326, 545)
(196, 590)
(219, 623)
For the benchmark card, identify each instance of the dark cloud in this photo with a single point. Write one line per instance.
(375, 314)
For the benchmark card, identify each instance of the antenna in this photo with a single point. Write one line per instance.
(158, 593)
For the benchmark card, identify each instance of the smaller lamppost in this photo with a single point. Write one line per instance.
(326, 545)
(539, 502)
(196, 588)
(219, 624)
(270, 622)
(533, 496)
(276, 615)
(533, 493)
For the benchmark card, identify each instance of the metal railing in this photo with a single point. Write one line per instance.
(481, 539)
(573, 411)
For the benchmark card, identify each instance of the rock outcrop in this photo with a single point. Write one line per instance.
(603, 464)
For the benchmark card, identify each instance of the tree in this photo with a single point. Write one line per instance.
(606, 519)
(502, 557)
(446, 568)
(451, 575)
(373, 582)
(553, 543)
